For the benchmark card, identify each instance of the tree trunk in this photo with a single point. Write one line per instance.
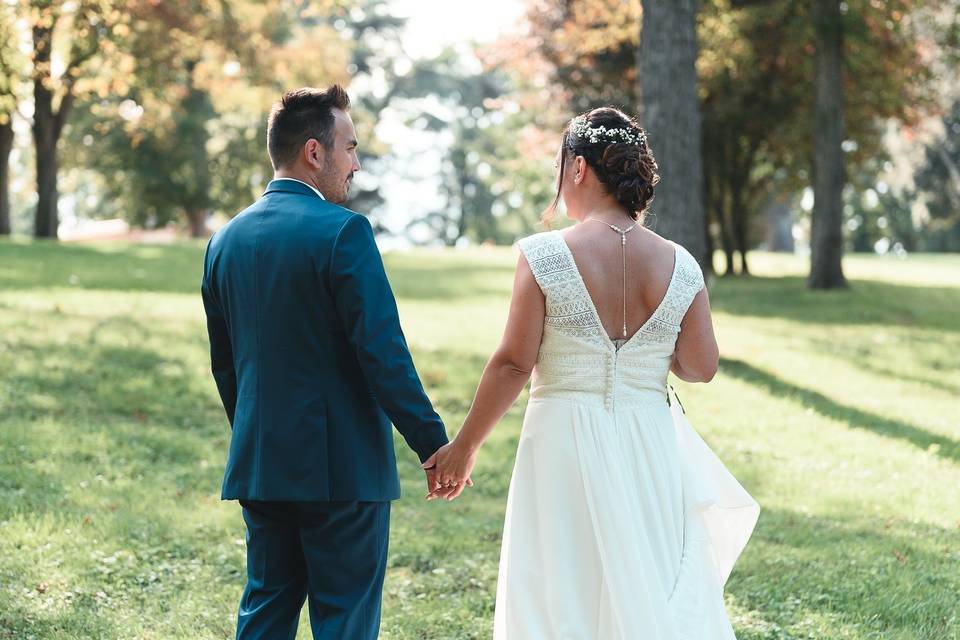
(717, 187)
(6, 146)
(708, 244)
(464, 219)
(47, 126)
(738, 215)
(726, 240)
(197, 220)
(779, 219)
(670, 111)
(46, 220)
(826, 237)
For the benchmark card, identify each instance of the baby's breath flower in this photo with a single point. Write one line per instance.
(581, 129)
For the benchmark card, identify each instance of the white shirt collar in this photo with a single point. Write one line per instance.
(315, 190)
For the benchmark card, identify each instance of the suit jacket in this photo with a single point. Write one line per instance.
(308, 354)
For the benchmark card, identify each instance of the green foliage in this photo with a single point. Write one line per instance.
(486, 179)
(155, 176)
(10, 65)
(939, 182)
(186, 134)
(590, 48)
(114, 442)
(878, 218)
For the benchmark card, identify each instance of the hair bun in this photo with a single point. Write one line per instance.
(617, 150)
(627, 170)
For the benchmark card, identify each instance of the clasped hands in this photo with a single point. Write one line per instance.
(448, 470)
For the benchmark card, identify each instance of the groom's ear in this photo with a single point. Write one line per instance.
(314, 154)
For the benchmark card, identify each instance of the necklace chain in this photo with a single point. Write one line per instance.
(623, 254)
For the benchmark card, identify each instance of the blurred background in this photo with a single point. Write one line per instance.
(147, 119)
(809, 149)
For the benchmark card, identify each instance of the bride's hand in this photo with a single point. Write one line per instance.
(453, 465)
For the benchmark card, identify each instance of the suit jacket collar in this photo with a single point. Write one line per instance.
(290, 186)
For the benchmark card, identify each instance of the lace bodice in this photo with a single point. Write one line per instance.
(577, 359)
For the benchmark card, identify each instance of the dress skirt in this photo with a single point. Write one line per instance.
(619, 525)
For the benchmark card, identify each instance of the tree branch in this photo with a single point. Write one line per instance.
(76, 62)
(63, 111)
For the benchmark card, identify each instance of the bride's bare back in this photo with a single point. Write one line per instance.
(597, 250)
(650, 261)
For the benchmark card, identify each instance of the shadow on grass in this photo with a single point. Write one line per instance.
(25, 488)
(87, 380)
(448, 280)
(945, 447)
(79, 619)
(177, 268)
(168, 268)
(866, 302)
(887, 575)
(86, 409)
(936, 357)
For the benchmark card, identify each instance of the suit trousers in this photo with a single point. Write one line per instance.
(332, 553)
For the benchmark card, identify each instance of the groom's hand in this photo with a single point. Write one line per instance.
(433, 482)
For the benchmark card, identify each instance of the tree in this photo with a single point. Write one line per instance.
(826, 236)
(755, 74)
(162, 170)
(750, 92)
(459, 105)
(88, 28)
(938, 180)
(591, 46)
(376, 50)
(6, 146)
(8, 105)
(671, 112)
(188, 130)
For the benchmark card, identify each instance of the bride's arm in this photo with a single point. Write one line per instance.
(509, 368)
(696, 356)
(503, 378)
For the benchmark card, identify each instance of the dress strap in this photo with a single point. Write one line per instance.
(547, 259)
(568, 305)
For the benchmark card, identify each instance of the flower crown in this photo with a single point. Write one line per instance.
(580, 127)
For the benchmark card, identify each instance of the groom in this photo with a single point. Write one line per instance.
(312, 368)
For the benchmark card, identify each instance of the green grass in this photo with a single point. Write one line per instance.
(837, 410)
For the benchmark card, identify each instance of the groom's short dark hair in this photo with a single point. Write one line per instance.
(300, 115)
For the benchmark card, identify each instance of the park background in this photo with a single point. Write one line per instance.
(809, 152)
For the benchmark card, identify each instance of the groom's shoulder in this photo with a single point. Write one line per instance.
(330, 212)
(336, 212)
(306, 215)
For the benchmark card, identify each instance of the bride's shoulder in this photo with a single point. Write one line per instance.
(685, 264)
(687, 268)
(667, 247)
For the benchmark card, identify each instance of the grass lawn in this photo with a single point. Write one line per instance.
(839, 411)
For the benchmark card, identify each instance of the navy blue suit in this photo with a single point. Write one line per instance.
(312, 368)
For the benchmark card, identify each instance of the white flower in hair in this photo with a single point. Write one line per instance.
(580, 127)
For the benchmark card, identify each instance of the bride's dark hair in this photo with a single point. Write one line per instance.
(628, 171)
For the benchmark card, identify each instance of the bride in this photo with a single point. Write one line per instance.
(620, 522)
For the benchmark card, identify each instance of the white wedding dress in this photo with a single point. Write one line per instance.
(621, 523)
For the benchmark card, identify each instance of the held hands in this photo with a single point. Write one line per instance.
(448, 471)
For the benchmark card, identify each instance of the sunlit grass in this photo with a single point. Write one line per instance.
(838, 411)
